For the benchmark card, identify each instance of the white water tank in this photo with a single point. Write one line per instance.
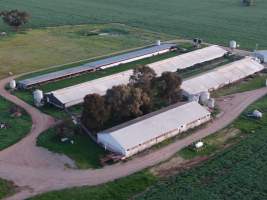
(266, 82)
(204, 97)
(158, 42)
(233, 44)
(12, 84)
(38, 97)
(211, 103)
(199, 145)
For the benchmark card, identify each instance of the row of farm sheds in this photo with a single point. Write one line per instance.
(64, 98)
(136, 135)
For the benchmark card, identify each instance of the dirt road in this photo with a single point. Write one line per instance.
(36, 170)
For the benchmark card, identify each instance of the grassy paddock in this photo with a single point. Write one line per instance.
(121, 189)
(19, 126)
(35, 49)
(6, 188)
(214, 21)
(84, 152)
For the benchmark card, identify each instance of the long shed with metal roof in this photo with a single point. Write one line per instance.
(188, 59)
(99, 64)
(221, 76)
(134, 136)
(73, 95)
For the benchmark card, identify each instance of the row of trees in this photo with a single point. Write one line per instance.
(144, 93)
(15, 18)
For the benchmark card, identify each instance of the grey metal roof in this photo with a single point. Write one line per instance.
(262, 52)
(94, 65)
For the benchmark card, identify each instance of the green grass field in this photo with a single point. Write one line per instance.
(215, 21)
(19, 126)
(36, 49)
(121, 189)
(6, 188)
(84, 152)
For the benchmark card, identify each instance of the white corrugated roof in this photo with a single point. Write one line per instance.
(188, 59)
(142, 131)
(221, 76)
(75, 94)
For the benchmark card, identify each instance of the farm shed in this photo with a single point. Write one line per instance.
(262, 55)
(134, 136)
(67, 97)
(99, 64)
(221, 76)
(188, 59)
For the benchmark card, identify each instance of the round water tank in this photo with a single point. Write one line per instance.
(158, 42)
(12, 84)
(38, 97)
(233, 44)
(204, 97)
(199, 145)
(211, 103)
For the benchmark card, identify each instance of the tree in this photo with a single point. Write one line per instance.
(15, 18)
(65, 129)
(169, 86)
(142, 78)
(95, 112)
(126, 102)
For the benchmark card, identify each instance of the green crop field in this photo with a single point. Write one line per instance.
(215, 21)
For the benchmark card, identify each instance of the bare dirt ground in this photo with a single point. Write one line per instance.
(36, 170)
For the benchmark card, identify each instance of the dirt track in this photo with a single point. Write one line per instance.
(36, 170)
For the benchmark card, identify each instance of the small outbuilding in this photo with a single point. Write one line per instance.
(134, 136)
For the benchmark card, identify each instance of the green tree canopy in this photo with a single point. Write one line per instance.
(15, 18)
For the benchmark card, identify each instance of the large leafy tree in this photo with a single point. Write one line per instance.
(168, 86)
(142, 78)
(126, 102)
(95, 112)
(15, 18)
